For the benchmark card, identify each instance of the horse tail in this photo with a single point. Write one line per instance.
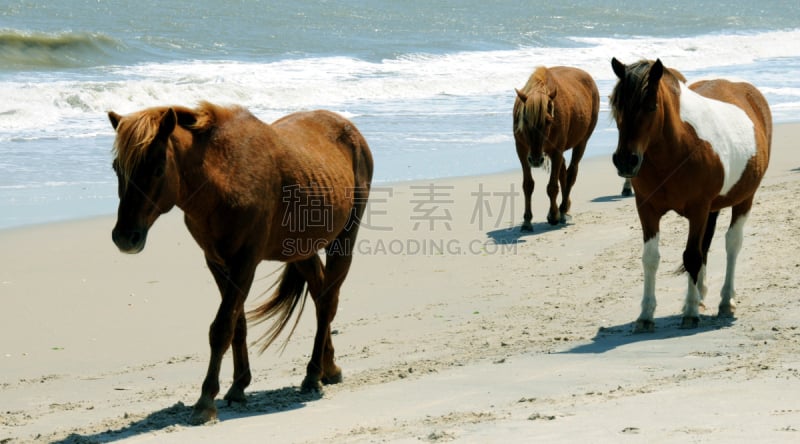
(290, 293)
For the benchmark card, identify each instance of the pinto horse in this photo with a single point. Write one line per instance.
(249, 192)
(693, 150)
(555, 111)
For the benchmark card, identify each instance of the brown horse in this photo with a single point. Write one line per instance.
(693, 150)
(250, 192)
(555, 111)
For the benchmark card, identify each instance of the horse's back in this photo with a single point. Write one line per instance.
(579, 97)
(743, 168)
(745, 96)
(327, 138)
(575, 77)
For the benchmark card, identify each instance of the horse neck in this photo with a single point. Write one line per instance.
(188, 167)
(670, 144)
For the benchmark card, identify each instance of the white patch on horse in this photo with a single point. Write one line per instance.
(726, 128)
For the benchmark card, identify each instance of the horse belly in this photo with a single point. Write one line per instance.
(309, 225)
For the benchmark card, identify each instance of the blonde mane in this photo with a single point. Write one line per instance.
(532, 112)
(136, 132)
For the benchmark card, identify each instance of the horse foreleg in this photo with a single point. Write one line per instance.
(527, 190)
(693, 263)
(650, 261)
(650, 220)
(241, 362)
(733, 244)
(234, 284)
(569, 181)
(557, 163)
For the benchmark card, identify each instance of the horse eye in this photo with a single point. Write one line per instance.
(158, 171)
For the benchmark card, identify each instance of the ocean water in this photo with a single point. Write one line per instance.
(429, 83)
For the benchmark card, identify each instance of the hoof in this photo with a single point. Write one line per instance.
(203, 415)
(235, 395)
(310, 385)
(565, 218)
(333, 379)
(553, 219)
(526, 226)
(726, 311)
(644, 326)
(627, 192)
(689, 322)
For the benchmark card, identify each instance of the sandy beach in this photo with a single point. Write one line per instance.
(453, 327)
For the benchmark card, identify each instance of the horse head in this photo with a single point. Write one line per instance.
(534, 119)
(635, 108)
(146, 174)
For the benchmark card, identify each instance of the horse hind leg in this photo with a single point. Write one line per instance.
(733, 245)
(708, 236)
(627, 191)
(568, 182)
(313, 272)
(321, 367)
(693, 263)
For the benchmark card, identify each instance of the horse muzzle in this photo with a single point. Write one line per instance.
(129, 241)
(536, 161)
(627, 164)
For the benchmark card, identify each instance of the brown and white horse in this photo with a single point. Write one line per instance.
(693, 150)
(555, 111)
(249, 192)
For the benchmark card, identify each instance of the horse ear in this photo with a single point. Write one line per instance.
(521, 95)
(114, 118)
(618, 67)
(656, 71)
(167, 125)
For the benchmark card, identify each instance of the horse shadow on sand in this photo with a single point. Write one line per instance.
(611, 198)
(609, 338)
(264, 402)
(515, 235)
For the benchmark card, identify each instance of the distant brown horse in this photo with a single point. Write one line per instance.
(693, 150)
(555, 111)
(250, 192)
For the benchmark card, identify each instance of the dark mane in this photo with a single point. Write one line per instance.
(631, 92)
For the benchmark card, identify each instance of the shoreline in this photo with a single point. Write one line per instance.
(589, 157)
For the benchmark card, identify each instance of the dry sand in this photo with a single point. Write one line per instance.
(470, 332)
